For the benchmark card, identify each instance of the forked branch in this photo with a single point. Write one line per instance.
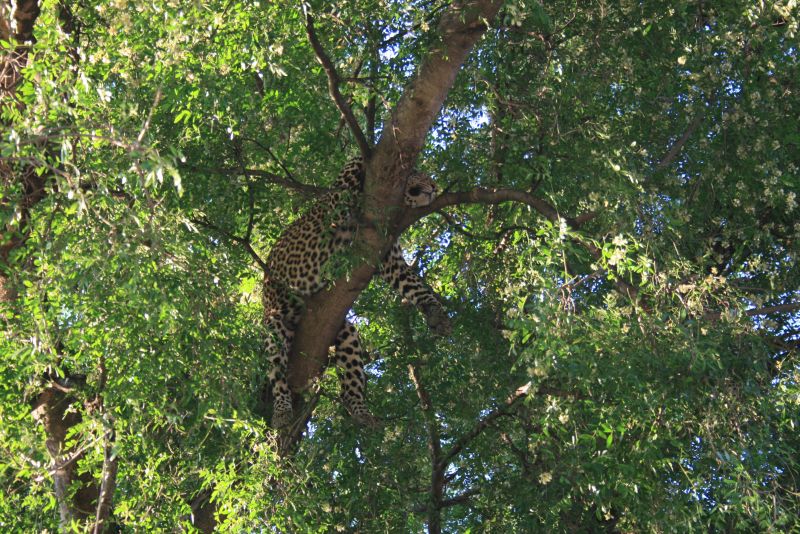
(498, 196)
(333, 85)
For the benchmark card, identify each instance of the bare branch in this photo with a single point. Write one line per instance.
(269, 177)
(272, 155)
(768, 310)
(781, 308)
(227, 235)
(333, 86)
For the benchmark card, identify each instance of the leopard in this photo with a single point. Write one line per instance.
(296, 269)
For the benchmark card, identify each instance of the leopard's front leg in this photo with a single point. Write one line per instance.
(398, 274)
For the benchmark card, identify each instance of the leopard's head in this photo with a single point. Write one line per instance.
(420, 190)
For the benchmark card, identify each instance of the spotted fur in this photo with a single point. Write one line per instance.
(295, 270)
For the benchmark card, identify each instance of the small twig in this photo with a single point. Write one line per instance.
(276, 159)
(489, 237)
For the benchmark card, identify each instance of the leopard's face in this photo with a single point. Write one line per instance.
(420, 190)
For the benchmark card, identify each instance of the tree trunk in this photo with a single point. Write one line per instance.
(51, 409)
(395, 155)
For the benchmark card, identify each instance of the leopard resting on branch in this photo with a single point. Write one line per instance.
(295, 270)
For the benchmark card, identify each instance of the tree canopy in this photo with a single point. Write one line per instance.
(616, 244)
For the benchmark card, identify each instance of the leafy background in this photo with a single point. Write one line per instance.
(673, 413)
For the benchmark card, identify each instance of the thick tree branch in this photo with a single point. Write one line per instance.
(333, 86)
(459, 29)
(75, 492)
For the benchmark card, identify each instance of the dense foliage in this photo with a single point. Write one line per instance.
(655, 317)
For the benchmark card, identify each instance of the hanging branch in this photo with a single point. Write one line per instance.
(333, 85)
(289, 176)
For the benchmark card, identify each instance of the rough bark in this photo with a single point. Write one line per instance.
(400, 143)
